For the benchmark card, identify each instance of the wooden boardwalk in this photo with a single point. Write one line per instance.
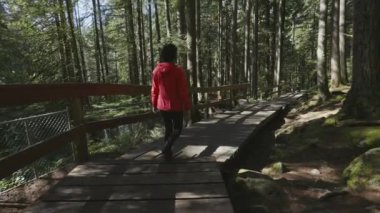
(141, 181)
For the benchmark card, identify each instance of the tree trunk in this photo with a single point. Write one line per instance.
(323, 89)
(274, 39)
(247, 39)
(342, 42)
(61, 47)
(68, 55)
(132, 49)
(335, 72)
(158, 31)
(233, 41)
(255, 63)
(279, 39)
(268, 72)
(98, 58)
(104, 44)
(181, 4)
(141, 33)
(220, 45)
(191, 44)
(80, 42)
(151, 35)
(168, 23)
(198, 44)
(363, 100)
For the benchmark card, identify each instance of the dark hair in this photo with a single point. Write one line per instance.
(168, 53)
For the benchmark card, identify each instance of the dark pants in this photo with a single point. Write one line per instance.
(173, 124)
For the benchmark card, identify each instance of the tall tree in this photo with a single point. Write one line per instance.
(255, 64)
(279, 40)
(81, 43)
(68, 55)
(191, 44)
(342, 41)
(335, 72)
(220, 42)
(157, 19)
(323, 89)
(104, 44)
(363, 99)
(181, 4)
(98, 58)
(233, 41)
(132, 49)
(61, 47)
(141, 34)
(247, 38)
(198, 43)
(168, 23)
(150, 35)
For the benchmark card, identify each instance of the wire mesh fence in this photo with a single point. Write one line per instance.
(19, 134)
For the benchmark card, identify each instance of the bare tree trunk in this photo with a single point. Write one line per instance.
(98, 58)
(181, 4)
(151, 35)
(220, 49)
(233, 73)
(68, 53)
(158, 31)
(198, 44)
(274, 40)
(104, 44)
(247, 39)
(141, 33)
(61, 47)
(342, 42)
(191, 44)
(279, 39)
(335, 72)
(363, 100)
(168, 23)
(132, 49)
(323, 89)
(268, 69)
(255, 68)
(80, 42)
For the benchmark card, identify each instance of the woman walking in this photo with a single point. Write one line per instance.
(170, 95)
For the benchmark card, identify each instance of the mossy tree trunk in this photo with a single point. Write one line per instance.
(363, 100)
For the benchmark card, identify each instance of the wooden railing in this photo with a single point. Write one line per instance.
(13, 95)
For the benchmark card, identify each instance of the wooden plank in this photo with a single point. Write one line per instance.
(220, 88)
(17, 94)
(136, 168)
(217, 205)
(24, 157)
(145, 179)
(154, 192)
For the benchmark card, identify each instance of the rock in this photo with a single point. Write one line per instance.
(274, 170)
(315, 172)
(364, 171)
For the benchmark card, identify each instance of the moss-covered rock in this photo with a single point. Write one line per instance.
(364, 171)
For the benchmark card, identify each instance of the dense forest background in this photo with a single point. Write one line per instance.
(271, 44)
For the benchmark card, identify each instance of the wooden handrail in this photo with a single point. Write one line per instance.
(11, 95)
(17, 94)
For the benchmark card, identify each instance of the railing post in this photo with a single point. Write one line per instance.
(77, 116)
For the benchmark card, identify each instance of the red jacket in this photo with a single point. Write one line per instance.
(169, 88)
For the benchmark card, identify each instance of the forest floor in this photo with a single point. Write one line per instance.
(296, 163)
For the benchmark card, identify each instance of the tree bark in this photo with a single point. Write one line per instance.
(233, 41)
(98, 58)
(279, 40)
(198, 44)
(168, 23)
(323, 89)
(158, 30)
(151, 35)
(181, 4)
(363, 100)
(255, 63)
(132, 49)
(220, 44)
(191, 44)
(274, 39)
(68, 55)
(342, 42)
(81, 44)
(335, 72)
(247, 39)
(141, 33)
(61, 47)
(104, 44)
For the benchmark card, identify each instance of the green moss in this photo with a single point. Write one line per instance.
(368, 137)
(364, 171)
